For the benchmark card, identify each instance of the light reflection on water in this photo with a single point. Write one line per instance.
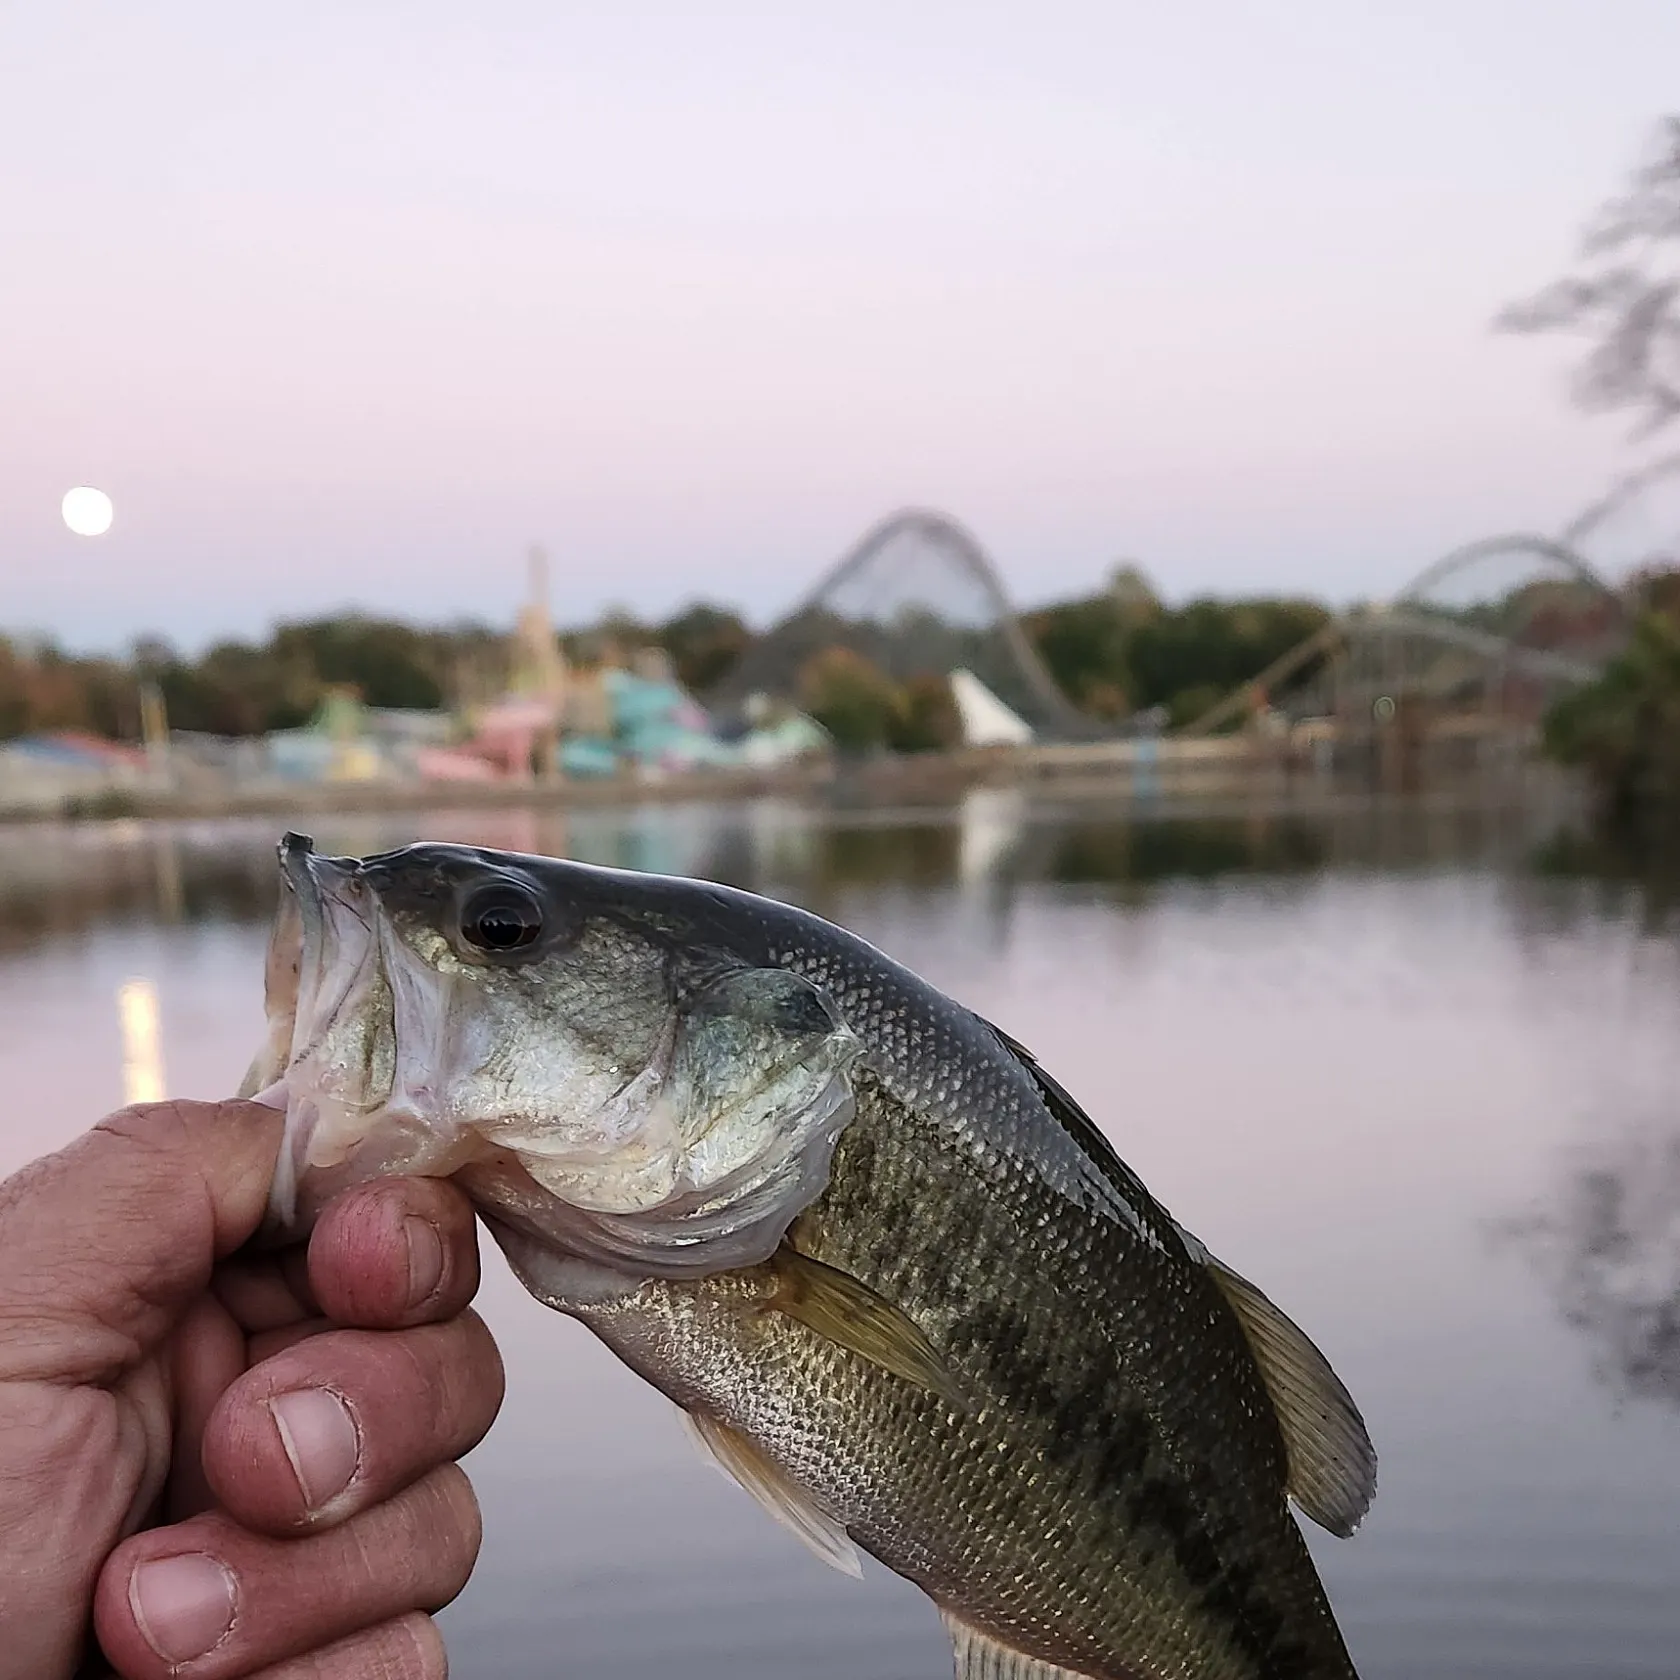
(1421, 1092)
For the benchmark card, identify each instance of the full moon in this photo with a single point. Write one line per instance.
(87, 511)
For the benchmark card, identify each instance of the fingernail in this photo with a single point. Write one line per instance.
(425, 1258)
(320, 1439)
(183, 1605)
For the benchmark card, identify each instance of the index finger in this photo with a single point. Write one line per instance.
(136, 1212)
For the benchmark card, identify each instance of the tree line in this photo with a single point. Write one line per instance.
(1112, 653)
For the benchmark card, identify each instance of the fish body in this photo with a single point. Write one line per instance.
(955, 1331)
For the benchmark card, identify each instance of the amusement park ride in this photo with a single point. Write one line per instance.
(1466, 659)
(1472, 651)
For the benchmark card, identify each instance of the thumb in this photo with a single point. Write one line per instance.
(103, 1244)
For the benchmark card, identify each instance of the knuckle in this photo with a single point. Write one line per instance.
(444, 1528)
(421, 1360)
(410, 1648)
(154, 1126)
(456, 1369)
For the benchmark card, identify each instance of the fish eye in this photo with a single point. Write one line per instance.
(501, 918)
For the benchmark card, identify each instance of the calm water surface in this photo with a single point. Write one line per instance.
(1420, 1086)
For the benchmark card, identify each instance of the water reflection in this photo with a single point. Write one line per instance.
(56, 879)
(1122, 853)
(1617, 866)
(56, 882)
(1608, 1249)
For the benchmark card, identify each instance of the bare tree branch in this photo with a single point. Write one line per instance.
(1624, 296)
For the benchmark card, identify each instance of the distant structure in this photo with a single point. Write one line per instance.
(520, 732)
(1131, 591)
(539, 667)
(986, 721)
(1478, 644)
(623, 712)
(917, 597)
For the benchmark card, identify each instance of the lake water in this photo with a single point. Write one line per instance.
(1413, 1076)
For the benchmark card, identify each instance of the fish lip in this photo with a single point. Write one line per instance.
(316, 877)
(324, 886)
(295, 852)
(325, 889)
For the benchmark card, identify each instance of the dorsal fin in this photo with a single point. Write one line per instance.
(770, 1485)
(1332, 1464)
(1096, 1147)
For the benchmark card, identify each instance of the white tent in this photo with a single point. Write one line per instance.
(986, 721)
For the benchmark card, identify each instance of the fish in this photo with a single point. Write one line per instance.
(899, 1284)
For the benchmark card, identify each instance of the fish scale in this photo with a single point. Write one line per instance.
(936, 1198)
(1050, 1514)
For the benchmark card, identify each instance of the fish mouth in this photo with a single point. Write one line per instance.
(337, 938)
(331, 1042)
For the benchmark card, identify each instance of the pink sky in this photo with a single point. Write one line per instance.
(348, 304)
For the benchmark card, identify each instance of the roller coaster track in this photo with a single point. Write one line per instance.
(1408, 615)
(955, 543)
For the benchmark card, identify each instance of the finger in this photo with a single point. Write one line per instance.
(342, 1421)
(271, 1342)
(267, 1291)
(410, 1648)
(206, 1355)
(207, 1600)
(136, 1213)
(393, 1253)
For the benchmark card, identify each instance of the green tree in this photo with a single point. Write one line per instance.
(44, 688)
(1624, 729)
(1218, 645)
(237, 688)
(388, 663)
(927, 719)
(1085, 646)
(1122, 650)
(854, 700)
(705, 643)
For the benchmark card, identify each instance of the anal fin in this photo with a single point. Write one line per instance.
(981, 1657)
(849, 1313)
(769, 1484)
(1332, 1464)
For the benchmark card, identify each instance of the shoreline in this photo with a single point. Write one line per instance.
(1180, 784)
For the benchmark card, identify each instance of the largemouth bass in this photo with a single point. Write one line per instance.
(905, 1291)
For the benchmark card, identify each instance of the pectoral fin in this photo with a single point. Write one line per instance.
(1332, 1464)
(783, 1498)
(980, 1657)
(837, 1306)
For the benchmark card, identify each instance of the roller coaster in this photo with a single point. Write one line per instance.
(1461, 642)
(916, 595)
(1489, 633)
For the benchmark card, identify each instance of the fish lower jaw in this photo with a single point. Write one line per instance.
(332, 1144)
(568, 1282)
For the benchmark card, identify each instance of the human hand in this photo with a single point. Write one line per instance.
(231, 1465)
